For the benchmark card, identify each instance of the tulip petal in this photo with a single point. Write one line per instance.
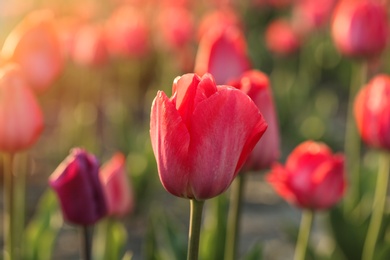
(170, 142)
(225, 128)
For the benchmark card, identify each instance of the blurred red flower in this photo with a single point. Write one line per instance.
(372, 112)
(312, 178)
(281, 38)
(360, 28)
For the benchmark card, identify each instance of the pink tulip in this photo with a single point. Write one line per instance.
(257, 86)
(34, 45)
(176, 26)
(360, 28)
(21, 118)
(202, 135)
(281, 38)
(116, 186)
(222, 52)
(312, 178)
(89, 48)
(372, 112)
(76, 183)
(127, 33)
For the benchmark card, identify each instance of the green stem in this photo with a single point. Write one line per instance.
(378, 208)
(304, 234)
(234, 216)
(86, 242)
(9, 234)
(352, 138)
(194, 230)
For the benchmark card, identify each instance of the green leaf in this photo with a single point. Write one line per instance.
(255, 253)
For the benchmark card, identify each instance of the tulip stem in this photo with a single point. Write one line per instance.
(352, 138)
(194, 229)
(9, 234)
(378, 208)
(234, 216)
(304, 234)
(86, 242)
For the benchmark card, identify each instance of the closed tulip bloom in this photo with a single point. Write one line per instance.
(281, 38)
(202, 135)
(35, 46)
(360, 28)
(21, 118)
(257, 86)
(116, 186)
(312, 178)
(78, 188)
(222, 52)
(372, 112)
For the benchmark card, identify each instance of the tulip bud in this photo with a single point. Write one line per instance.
(372, 112)
(359, 28)
(222, 53)
(127, 33)
(281, 38)
(116, 186)
(312, 178)
(21, 119)
(34, 45)
(202, 135)
(256, 85)
(76, 182)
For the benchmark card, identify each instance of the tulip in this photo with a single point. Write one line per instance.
(78, 188)
(372, 112)
(313, 178)
(127, 33)
(223, 53)
(257, 86)
(35, 46)
(359, 28)
(89, 48)
(221, 18)
(21, 118)
(116, 186)
(202, 135)
(281, 38)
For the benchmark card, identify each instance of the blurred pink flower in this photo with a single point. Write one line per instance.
(80, 193)
(281, 38)
(223, 53)
(312, 178)
(176, 26)
(267, 151)
(89, 47)
(34, 45)
(360, 28)
(116, 186)
(127, 32)
(21, 118)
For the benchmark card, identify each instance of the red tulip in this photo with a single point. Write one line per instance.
(372, 112)
(312, 178)
(281, 38)
(89, 48)
(256, 85)
(34, 45)
(127, 33)
(223, 53)
(76, 182)
(202, 135)
(359, 28)
(21, 119)
(116, 186)
(219, 18)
